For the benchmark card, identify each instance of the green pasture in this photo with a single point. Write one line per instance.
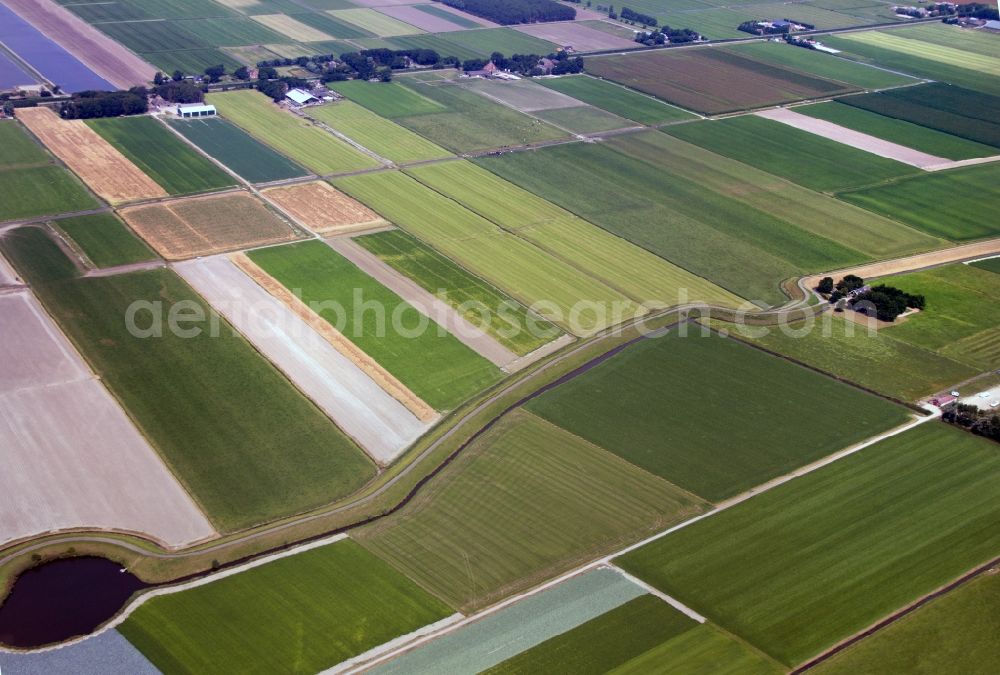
(388, 99)
(509, 322)
(990, 264)
(947, 204)
(241, 152)
(599, 254)
(105, 239)
(583, 119)
(433, 363)
(807, 159)
(658, 403)
(899, 131)
(616, 99)
(20, 150)
(376, 133)
(822, 65)
(703, 649)
(298, 614)
(846, 350)
(42, 191)
(526, 501)
(374, 22)
(314, 148)
(534, 277)
(246, 444)
(161, 155)
(813, 561)
(229, 31)
(192, 61)
(986, 64)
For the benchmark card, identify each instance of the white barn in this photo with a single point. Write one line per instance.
(190, 110)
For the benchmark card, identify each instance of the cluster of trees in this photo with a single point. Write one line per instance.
(509, 12)
(975, 420)
(180, 92)
(759, 27)
(976, 10)
(634, 16)
(271, 84)
(799, 42)
(302, 61)
(86, 105)
(212, 74)
(887, 302)
(666, 34)
(527, 64)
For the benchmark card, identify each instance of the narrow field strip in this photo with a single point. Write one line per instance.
(855, 139)
(323, 209)
(438, 311)
(379, 423)
(386, 380)
(103, 168)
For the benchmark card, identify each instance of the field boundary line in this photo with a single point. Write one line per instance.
(673, 602)
(392, 644)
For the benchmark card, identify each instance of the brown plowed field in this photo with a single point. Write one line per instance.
(186, 228)
(710, 80)
(107, 58)
(324, 209)
(106, 171)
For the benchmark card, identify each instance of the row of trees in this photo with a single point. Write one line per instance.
(93, 104)
(509, 12)
(632, 15)
(666, 34)
(975, 420)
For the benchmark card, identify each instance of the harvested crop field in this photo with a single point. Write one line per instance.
(633, 405)
(241, 152)
(324, 209)
(187, 228)
(712, 81)
(311, 146)
(75, 459)
(811, 562)
(582, 37)
(312, 609)
(110, 60)
(616, 99)
(380, 424)
(509, 631)
(432, 363)
(527, 500)
(103, 168)
(161, 155)
(247, 445)
(105, 240)
(525, 95)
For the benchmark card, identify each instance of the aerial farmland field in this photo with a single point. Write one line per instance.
(313, 609)
(989, 264)
(617, 99)
(799, 568)
(221, 416)
(245, 155)
(105, 240)
(324, 209)
(436, 367)
(161, 155)
(378, 134)
(527, 501)
(652, 405)
(390, 99)
(304, 142)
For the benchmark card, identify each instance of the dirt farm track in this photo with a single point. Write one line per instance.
(107, 58)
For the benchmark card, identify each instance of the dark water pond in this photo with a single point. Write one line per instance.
(63, 599)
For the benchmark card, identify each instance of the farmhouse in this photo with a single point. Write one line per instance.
(190, 110)
(489, 70)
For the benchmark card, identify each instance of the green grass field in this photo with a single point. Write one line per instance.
(161, 155)
(436, 367)
(659, 405)
(42, 191)
(526, 501)
(807, 159)
(105, 239)
(238, 150)
(604, 643)
(954, 635)
(704, 649)
(298, 614)
(642, 276)
(797, 569)
(961, 319)
(990, 264)
(939, 203)
(616, 99)
(583, 119)
(506, 40)
(305, 143)
(388, 99)
(822, 65)
(374, 22)
(378, 134)
(472, 122)
(190, 60)
(229, 31)
(246, 444)
(659, 205)
(878, 362)
(19, 149)
(905, 133)
(529, 274)
(478, 301)
(987, 64)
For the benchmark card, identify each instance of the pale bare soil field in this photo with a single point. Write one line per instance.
(7, 275)
(97, 51)
(422, 20)
(105, 170)
(71, 458)
(386, 380)
(380, 424)
(324, 209)
(582, 38)
(855, 139)
(186, 228)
